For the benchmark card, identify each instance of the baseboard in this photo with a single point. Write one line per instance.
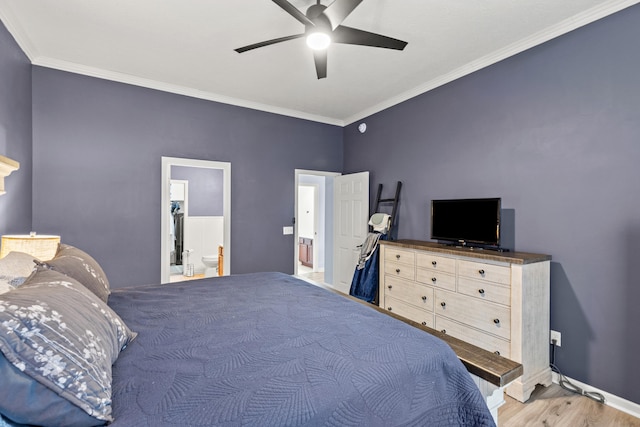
(612, 400)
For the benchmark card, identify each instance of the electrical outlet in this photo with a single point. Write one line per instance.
(555, 335)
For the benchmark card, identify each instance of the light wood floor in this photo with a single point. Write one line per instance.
(555, 407)
(180, 278)
(308, 273)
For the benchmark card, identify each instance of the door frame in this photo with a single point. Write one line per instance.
(325, 174)
(165, 244)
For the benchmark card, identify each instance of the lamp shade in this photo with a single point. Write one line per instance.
(42, 247)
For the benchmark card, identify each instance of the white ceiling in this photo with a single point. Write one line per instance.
(187, 47)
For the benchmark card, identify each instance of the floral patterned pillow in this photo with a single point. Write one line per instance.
(81, 266)
(58, 333)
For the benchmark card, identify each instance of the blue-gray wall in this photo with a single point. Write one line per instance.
(97, 148)
(555, 132)
(15, 134)
(206, 189)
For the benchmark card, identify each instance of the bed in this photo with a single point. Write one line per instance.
(269, 349)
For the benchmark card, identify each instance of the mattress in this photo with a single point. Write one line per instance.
(268, 349)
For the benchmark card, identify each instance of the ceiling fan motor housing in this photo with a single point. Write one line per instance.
(320, 20)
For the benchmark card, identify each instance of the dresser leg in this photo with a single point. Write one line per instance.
(521, 390)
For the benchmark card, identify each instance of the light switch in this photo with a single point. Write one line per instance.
(287, 230)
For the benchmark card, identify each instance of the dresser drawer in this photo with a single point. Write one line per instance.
(437, 263)
(395, 269)
(436, 278)
(482, 271)
(484, 290)
(410, 292)
(484, 315)
(400, 308)
(400, 256)
(474, 336)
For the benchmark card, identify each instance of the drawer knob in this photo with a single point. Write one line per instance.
(497, 352)
(397, 270)
(433, 279)
(496, 321)
(434, 263)
(481, 291)
(481, 272)
(443, 303)
(389, 308)
(389, 286)
(398, 256)
(424, 298)
(444, 331)
(424, 323)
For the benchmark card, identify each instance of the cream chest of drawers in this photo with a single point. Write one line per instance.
(498, 301)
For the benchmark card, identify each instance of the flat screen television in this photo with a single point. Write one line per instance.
(466, 221)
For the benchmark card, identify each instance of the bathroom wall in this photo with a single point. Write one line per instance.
(205, 189)
(203, 235)
(306, 210)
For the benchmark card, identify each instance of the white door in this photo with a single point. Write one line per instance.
(351, 215)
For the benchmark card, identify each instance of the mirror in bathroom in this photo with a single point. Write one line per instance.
(196, 236)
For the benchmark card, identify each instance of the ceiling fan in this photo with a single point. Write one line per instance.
(323, 26)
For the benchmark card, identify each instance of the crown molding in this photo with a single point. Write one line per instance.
(570, 24)
(536, 39)
(18, 33)
(177, 89)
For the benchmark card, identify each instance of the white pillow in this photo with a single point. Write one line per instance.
(14, 270)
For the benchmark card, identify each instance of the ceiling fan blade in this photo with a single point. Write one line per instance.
(293, 11)
(339, 10)
(348, 35)
(320, 58)
(267, 43)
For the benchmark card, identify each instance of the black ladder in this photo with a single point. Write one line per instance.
(394, 202)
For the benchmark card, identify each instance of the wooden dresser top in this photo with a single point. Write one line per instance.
(487, 254)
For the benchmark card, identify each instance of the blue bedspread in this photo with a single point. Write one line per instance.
(271, 350)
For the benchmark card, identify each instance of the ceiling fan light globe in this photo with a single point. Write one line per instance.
(318, 40)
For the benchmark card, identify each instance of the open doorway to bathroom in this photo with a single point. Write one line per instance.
(313, 234)
(310, 236)
(196, 219)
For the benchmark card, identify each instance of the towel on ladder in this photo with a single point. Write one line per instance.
(367, 248)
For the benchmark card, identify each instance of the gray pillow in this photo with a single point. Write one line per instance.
(81, 266)
(15, 267)
(60, 335)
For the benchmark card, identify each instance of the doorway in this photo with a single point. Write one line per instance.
(313, 238)
(200, 172)
(310, 237)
